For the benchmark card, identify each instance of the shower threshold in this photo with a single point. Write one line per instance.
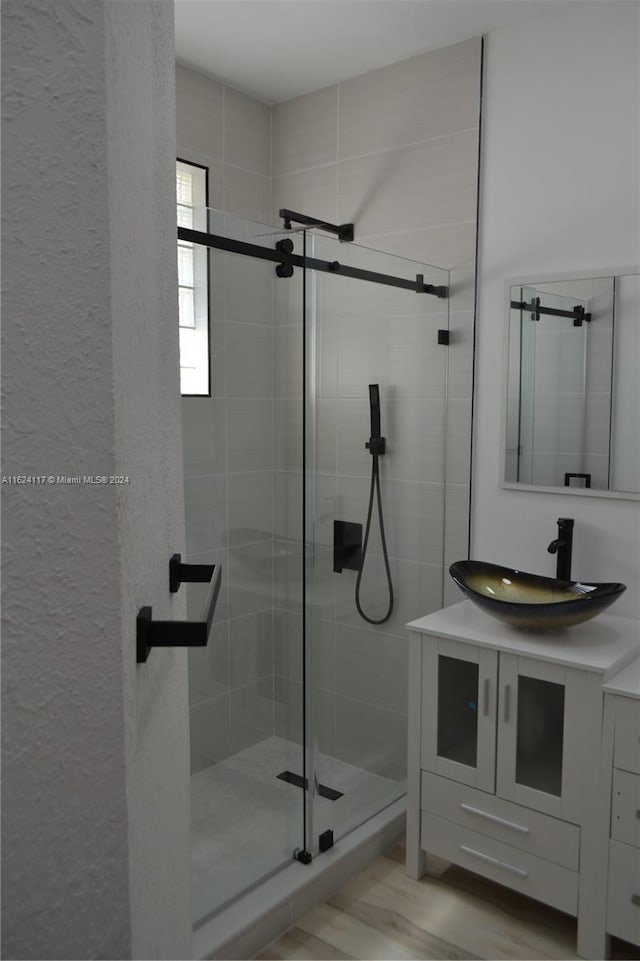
(244, 928)
(246, 822)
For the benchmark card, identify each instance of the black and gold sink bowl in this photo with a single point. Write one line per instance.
(531, 602)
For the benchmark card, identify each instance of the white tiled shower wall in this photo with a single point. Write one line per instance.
(395, 151)
(228, 437)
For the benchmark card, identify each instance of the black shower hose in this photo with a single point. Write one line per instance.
(375, 487)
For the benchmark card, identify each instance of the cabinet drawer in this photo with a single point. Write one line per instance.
(627, 741)
(520, 870)
(625, 808)
(623, 901)
(528, 830)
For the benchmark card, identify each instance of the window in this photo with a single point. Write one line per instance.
(193, 281)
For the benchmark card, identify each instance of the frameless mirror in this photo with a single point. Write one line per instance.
(573, 400)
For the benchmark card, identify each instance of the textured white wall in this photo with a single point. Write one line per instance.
(95, 789)
(141, 150)
(568, 203)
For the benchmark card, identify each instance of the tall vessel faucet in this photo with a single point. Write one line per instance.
(562, 546)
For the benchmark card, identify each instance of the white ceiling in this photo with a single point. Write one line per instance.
(278, 49)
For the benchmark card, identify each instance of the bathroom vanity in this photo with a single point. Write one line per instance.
(511, 749)
(621, 789)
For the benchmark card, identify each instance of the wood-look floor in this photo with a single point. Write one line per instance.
(383, 914)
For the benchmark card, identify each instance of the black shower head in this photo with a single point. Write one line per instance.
(374, 406)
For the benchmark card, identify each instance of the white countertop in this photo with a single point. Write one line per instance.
(626, 681)
(605, 645)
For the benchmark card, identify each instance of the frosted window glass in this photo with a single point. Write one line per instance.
(189, 381)
(193, 280)
(185, 216)
(188, 348)
(185, 266)
(186, 309)
(184, 187)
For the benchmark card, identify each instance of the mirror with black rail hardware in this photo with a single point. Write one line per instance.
(573, 397)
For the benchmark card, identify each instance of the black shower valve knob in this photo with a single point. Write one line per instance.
(376, 445)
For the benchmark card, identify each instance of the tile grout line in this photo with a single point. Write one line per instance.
(413, 230)
(378, 152)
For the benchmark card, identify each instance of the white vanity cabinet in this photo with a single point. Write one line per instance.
(506, 724)
(622, 750)
(504, 753)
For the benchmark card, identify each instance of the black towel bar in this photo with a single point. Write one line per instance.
(150, 633)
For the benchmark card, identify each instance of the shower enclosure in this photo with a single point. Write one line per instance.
(298, 705)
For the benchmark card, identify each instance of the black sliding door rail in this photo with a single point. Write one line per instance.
(578, 314)
(297, 260)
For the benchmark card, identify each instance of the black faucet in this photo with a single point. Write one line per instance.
(562, 547)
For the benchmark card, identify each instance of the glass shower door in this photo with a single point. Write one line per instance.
(298, 704)
(360, 333)
(243, 495)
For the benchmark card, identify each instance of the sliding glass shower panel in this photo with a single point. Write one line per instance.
(298, 704)
(554, 434)
(362, 333)
(242, 484)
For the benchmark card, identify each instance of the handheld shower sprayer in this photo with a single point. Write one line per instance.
(374, 406)
(376, 446)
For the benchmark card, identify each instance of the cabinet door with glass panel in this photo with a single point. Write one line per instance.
(459, 683)
(505, 724)
(541, 720)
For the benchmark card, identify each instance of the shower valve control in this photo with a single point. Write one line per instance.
(376, 445)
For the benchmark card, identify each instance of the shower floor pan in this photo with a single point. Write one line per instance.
(245, 822)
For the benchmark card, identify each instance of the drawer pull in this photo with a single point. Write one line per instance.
(500, 864)
(635, 899)
(638, 814)
(493, 817)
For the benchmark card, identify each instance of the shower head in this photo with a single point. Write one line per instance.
(374, 407)
(376, 445)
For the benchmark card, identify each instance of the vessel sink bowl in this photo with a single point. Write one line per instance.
(530, 602)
